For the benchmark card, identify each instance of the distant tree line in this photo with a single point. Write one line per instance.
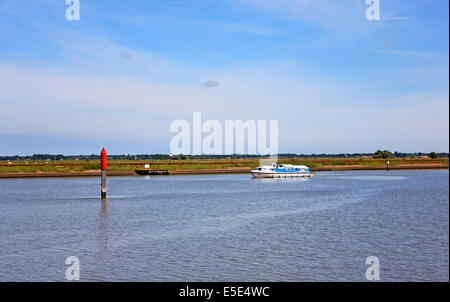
(378, 154)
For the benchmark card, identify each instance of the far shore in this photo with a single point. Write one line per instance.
(221, 167)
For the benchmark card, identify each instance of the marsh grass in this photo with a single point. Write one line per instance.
(180, 165)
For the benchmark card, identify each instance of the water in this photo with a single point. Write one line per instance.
(228, 227)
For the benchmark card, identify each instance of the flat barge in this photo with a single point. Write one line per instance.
(151, 172)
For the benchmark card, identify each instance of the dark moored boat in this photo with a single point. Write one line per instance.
(152, 172)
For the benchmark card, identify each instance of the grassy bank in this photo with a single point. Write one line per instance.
(123, 167)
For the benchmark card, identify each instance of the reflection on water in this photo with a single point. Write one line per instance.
(281, 180)
(375, 177)
(228, 227)
(103, 228)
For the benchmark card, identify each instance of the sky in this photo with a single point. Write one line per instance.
(118, 77)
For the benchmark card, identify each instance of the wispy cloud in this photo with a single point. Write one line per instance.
(135, 108)
(257, 29)
(399, 18)
(340, 15)
(417, 54)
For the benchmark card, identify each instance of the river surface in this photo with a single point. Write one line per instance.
(228, 227)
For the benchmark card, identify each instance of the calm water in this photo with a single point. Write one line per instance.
(228, 227)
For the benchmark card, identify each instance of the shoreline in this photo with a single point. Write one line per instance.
(240, 170)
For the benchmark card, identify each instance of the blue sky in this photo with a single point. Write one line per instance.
(121, 74)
